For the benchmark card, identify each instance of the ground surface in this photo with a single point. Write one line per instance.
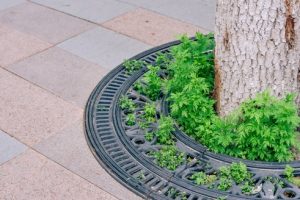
(52, 54)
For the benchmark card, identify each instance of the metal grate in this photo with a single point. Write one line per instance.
(123, 152)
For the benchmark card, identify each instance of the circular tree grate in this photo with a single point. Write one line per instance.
(123, 151)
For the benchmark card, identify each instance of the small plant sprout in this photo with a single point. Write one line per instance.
(172, 192)
(169, 157)
(143, 125)
(127, 104)
(183, 196)
(164, 132)
(224, 184)
(200, 178)
(130, 119)
(289, 174)
(141, 175)
(133, 65)
(247, 187)
(149, 136)
(149, 112)
(153, 82)
(138, 86)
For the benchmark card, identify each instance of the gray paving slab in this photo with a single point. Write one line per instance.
(30, 113)
(4, 4)
(197, 12)
(9, 147)
(44, 23)
(92, 10)
(61, 72)
(69, 148)
(104, 47)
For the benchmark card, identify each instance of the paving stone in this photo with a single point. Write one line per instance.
(4, 4)
(16, 45)
(61, 72)
(92, 10)
(9, 147)
(47, 24)
(29, 113)
(69, 148)
(197, 12)
(103, 47)
(33, 176)
(150, 27)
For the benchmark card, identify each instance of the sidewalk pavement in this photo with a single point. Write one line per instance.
(52, 55)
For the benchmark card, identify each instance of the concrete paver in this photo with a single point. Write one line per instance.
(9, 147)
(47, 24)
(104, 47)
(92, 10)
(61, 72)
(150, 27)
(54, 52)
(4, 4)
(29, 113)
(69, 148)
(32, 176)
(197, 12)
(16, 45)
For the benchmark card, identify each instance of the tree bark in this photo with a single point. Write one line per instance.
(257, 48)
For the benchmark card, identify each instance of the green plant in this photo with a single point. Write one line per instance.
(200, 178)
(149, 136)
(224, 184)
(141, 176)
(239, 172)
(192, 107)
(130, 119)
(236, 171)
(169, 157)
(143, 125)
(163, 60)
(172, 192)
(183, 196)
(247, 187)
(126, 103)
(138, 86)
(289, 174)
(153, 83)
(133, 65)
(164, 132)
(150, 112)
(188, 58)
(263, 128)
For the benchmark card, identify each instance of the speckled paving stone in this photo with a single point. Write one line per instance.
(33, 176)
(47, 24)
(197, 12)
(29, 113)
(104, 47)
(16, 45)
(9, 147)
(92, 10)
(4, 4)
(150, 27)
(61, 72)
(69, 148)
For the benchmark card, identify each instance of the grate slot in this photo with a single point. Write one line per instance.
(109, 141)
(129, 166)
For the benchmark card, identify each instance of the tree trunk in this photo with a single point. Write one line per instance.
(257, 48)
